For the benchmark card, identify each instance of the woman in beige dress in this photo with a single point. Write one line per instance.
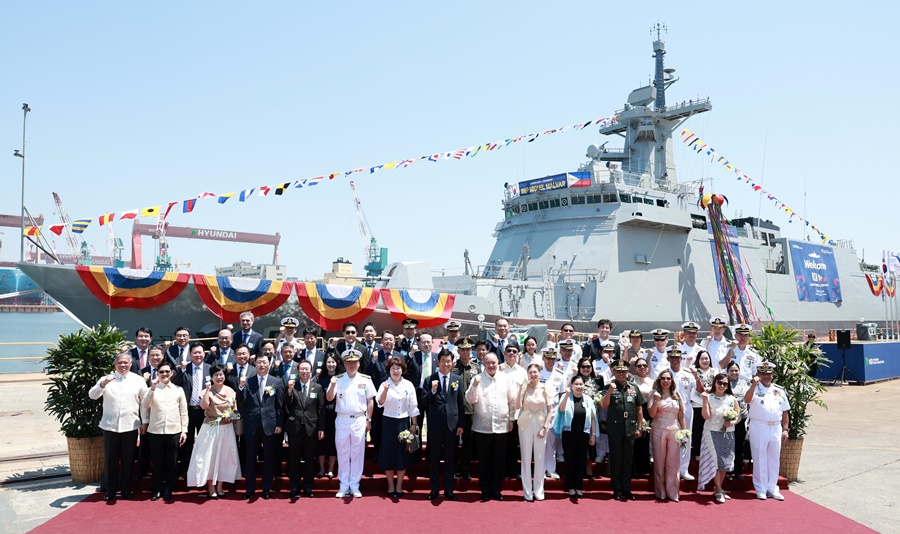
(215, 459)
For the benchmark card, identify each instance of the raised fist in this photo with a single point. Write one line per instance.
(434, 386)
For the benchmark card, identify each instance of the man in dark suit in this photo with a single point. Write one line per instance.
(309, 352)
(192, 378)
(262, 413)
(304, 401)
(285, 366)
(502, 338)
(247, 336)
(350, 341)
(242, 367)
(179, 350)
(443, 400)
(139, 354)
(594, 348)
(409, 338)
(372, 347)
(221, 352)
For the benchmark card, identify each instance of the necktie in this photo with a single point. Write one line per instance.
(240, 372)
(143, 359)
(262, 387)
(195, 390)
(246, 337)
(309, 355)
(502, 343)
(153, 373)
(180, 353)
(445, 384)
(303, 391)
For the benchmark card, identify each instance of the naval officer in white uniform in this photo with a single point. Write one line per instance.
(769, 420)
(354, 392)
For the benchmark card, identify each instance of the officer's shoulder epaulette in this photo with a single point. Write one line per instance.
(364, 375)
(340, 375)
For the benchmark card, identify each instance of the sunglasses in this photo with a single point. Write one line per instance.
(163, 372)
(568, 330)
(722, 383)
(642, 366)
(349, 331)
(585, 366)
(664, 379)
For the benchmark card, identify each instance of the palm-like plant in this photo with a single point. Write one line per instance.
(74, 366)
(792, 361)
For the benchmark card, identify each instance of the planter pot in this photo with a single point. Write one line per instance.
(86, 459)
(790, 459)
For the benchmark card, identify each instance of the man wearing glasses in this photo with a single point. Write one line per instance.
(350, 341)
(179, 352)
(567, 332)
(408, 340)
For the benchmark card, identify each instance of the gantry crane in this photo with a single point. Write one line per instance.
(376, 258)
(80, 252)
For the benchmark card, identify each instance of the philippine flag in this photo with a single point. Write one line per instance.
(579, 179)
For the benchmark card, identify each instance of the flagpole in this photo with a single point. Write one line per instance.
(25, 110)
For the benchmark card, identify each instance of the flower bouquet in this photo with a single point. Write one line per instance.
(645, 426)
(411, 440)
(730, 416)
(227, 416)
(683, 437)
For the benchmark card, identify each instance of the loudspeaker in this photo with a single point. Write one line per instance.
(843, 339)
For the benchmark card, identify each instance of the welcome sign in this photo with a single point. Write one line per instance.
(815, 272)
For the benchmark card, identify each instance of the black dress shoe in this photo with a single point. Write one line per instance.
(433, 495)
(294, 493)
(267, 495)
(449, 495)
(247, 495)
(156, 496)
(485, 498)
(167, 496)
(617, 495)
(498, 497)
(109, 497)
(308, 493)
(629, 496)
(128, 496)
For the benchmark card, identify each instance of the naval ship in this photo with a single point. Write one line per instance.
(620, 237)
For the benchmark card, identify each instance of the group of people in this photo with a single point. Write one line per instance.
(209, 416)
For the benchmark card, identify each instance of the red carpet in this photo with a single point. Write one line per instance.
(694, 512)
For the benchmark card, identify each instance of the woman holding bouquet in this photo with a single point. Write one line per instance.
(665, 408)
(398, 398)
(641, 461)
(215, 459)
(721, 412)
(593, 388)
(739, 387)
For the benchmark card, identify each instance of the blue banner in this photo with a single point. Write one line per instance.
(547, 183)
(816, 272)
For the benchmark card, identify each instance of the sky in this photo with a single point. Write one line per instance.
(137, 105)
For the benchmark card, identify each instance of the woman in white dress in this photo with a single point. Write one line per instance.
(215, 459)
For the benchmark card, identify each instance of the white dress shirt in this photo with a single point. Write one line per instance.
(164, 410)
(494, 400)
(401, 399)
(121, 402)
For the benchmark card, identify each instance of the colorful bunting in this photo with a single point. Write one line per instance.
(429, 308)
(33, 231)
(330, 306)
(128, 215)
(152, 211)
(103, 219)
(228, 297)
(697, 145)
(57, 229)
(188, 206)
(80, 225)
(129, 288)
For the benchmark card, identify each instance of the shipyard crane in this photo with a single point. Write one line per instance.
(67, 228)
(376, 258)
(167, 231)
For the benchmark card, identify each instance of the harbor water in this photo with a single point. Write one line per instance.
(25, 338)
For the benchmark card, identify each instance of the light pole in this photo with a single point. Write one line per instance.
(25, 110)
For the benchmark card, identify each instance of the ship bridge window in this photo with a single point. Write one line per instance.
(543, 204)
(597, 199)
(609, 197)
(554, 202)
(648, 201)
(661, 202)
(627, 198)
(578, 200)
(532, 206)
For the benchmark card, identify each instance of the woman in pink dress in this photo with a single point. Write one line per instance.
(668, 418)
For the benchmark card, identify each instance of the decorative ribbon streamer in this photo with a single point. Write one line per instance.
(430, 309)
(876, 285)
(228, 297)
(332, 305)
(129, 288)
(698, 146)
(284, 187)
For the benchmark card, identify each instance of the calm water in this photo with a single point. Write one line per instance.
(30, 327)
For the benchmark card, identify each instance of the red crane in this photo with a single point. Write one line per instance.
(197, 233)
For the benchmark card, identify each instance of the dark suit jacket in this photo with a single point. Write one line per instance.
(216, 357)
(253, 342)
(147, 370)
(445, 408)
(593, 350)
(136, 361)
(267, 412)
(304, 414)
(172, 354)
(363, 362)
(232, 379)
(413, 374)
(279, 371)
(383, 356)
(318, 359)
(185, 379)
(375, 352)
(495, 348)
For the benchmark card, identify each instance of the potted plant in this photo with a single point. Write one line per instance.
(74, 366)
(792, 361)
